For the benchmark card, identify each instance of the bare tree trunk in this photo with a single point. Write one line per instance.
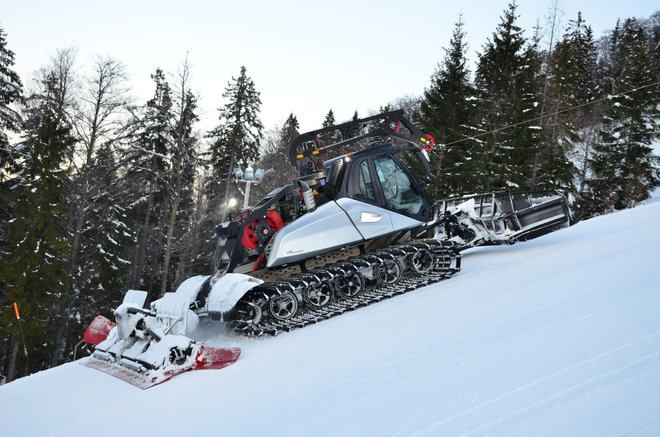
(61, 68)
(102, 98)
(13, 361)
(176, 200)
(181, 142)
(554, 11)
(141, 247)
(191, 242)
(584, 168)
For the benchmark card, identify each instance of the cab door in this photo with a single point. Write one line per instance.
(400, 192)
(383, 197)
(363, 204)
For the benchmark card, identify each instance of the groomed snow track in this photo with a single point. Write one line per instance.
(272, 308)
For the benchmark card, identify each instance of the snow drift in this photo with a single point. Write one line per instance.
(559, 335)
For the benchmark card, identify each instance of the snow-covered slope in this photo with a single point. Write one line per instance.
(558, 336)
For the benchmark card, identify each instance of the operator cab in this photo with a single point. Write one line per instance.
(380, 176)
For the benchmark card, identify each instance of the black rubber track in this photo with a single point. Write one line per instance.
(254, 318)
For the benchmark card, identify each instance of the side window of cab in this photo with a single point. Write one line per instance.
(400, 193)
(362, 187)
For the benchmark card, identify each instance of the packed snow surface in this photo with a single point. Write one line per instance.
(556, 336)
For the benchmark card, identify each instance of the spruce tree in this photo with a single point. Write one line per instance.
(236, 140)
(147, 161)
(182, 176)
(624, 167)
(34, 264)
(447, 112)
(653, 31)
(101, 274)
(329, 137)
(96, 245)
(279, 170)
(11, 92)
(567, 133)
(611, 61)
(329, 119)
(290, 129)
(507, 79)
(576, 81)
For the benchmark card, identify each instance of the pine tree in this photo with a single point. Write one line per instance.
(552, 169)
(279, 170)
(576, 82)
(653, 30)
(147, 161)
(33, 266)
(92, 207)
(11, 92)
(329, 119)
(532, 132)
(236, 140)
(290, 130)
(101, 274)
(197, 239)
(447, 112)
(611, 61)
(507, 78)
(624, 167)
(182, 176)
(329, 137)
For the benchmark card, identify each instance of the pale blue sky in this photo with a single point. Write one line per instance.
(304, 56)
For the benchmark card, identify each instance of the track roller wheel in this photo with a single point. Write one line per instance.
(350, 285)
(389, 271)
(422, 261)
(250, 312)
(284, 306)
(318, 292)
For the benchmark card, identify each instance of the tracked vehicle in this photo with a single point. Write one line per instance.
(356, 227)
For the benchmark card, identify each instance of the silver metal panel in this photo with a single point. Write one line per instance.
(326, 229)
(402, 222)
(365, 217)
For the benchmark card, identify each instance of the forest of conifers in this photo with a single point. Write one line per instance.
(98, 196)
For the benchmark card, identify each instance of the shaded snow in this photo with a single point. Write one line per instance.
(557, 336)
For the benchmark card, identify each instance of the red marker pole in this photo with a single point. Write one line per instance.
(20, 328)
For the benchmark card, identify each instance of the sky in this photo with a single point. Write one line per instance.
(305, 57)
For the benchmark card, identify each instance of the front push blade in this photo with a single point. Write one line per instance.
(98, 330)
(216, 357)
(207, 357)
